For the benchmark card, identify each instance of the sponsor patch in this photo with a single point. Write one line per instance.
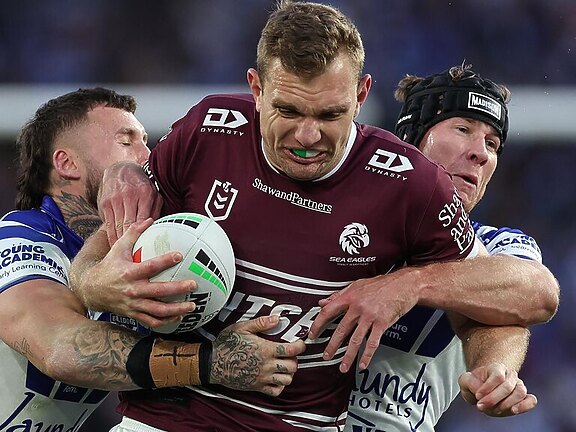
(486, 104)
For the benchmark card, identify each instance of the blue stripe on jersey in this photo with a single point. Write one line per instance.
(438, 338)
(524, 256)
(45, 225)
(38, 382)
(408, 328)
(30, 234)
(26, 279)
(44, 385)
(493, 232)
(509, 241)
(404, 333)
(70, 393)
(47, 220)
(96, 396)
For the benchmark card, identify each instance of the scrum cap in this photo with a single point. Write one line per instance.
(442, 96)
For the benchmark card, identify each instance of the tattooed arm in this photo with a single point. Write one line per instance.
(244, 361)
(45, 322)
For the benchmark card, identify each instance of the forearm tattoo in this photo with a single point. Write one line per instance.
(23, 347)
(236, 363)
(101, 353)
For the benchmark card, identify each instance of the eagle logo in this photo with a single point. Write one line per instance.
(354, 237)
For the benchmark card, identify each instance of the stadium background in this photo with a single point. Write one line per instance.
(170, 53)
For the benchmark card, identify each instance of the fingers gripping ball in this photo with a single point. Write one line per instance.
(208, 259)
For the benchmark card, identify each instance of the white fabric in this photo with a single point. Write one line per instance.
(403, 391)
(130, 425)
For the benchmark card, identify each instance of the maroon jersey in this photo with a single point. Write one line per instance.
(295, 242)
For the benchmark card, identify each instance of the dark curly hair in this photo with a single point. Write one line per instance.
(35, 142)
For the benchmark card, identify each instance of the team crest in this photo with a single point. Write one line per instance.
(220, 200)
(354, 237)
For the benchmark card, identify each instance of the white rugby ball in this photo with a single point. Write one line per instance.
(208, 259)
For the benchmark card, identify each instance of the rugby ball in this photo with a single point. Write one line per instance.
(208, 259)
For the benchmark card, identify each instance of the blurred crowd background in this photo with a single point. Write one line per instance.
(526, 44)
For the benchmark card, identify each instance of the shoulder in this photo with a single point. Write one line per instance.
(394, 164)
(508, 241)
(239, 100)
(224, 110)
(216, 115)
(32, 246)
(27, 223)
(391, 153)
(38, 227)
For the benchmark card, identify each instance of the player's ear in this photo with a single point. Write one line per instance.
(255, 85)
(66, 164)
(362, 92)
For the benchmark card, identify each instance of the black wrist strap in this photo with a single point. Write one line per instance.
(138, 363)
(205, 359)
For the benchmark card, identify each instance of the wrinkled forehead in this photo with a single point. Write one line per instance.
(340, 65)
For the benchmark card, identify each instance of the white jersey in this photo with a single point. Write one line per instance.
(413, 377)
(37, 244)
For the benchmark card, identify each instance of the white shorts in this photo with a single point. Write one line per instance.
(131, 425)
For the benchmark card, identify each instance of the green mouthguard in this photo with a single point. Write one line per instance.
(301, 153)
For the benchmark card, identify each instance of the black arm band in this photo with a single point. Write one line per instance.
(138, 363)
(205, 362)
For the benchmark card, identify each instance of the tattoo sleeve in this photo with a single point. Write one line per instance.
(235, 361)
(101, 352)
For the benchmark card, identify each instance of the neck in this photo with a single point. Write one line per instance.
(78, 213)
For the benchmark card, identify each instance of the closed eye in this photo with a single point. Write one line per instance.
(287, 112)
(331, 115)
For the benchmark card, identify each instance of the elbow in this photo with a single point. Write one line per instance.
(547, 301)
(57, 365)
(551, 300)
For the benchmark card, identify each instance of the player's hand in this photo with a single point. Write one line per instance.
(496, 391)
(126, 196)
(119, 285)
(370, 307)
(242, 360)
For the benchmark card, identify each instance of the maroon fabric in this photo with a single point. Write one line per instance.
(287, 239)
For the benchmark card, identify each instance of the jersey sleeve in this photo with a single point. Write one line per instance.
(508, 241)
(169, 160)
(26, 254)
(444, 232)
(192, 146)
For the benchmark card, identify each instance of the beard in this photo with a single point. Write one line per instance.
(93, 181)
